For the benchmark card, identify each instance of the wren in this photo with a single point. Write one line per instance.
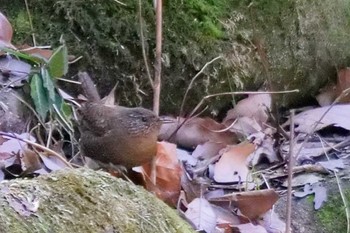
(117, 135)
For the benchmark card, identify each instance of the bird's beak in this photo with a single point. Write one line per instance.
(167, 120)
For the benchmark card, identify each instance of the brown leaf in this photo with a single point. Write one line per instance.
(36, 52)
(254, 107)
(168, 171)
(252, 204)
(196, 131)
(5, 32)
(232, 166)
(30, 161)
(208, 150)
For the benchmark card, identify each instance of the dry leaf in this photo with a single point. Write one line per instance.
(318, 189)
(208, 150)
(337, 115)
(196, 131)
(13, 71)
(36, 52)
(168, 171)
(30, 161)
(254, 107)
(272, 223)
(201, 214)
(264, 149)
(52, 162)
(15, 146)
(232, 166)
(303, 179)
(252, 204)
(244, 126)
(5, 32)
(250, 228)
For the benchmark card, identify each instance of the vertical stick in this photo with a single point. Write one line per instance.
(290, 173)
(158, 64)
(158, 72)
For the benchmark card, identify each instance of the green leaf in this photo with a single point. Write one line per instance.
(58, 63)
(66, 109)
(48, 84)
(38, 94)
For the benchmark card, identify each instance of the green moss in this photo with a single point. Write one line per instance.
(82, 200)
(332, 215)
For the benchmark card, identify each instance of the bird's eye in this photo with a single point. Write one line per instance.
(144, 119)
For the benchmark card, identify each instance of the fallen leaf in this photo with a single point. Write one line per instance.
(252, 204)
(13, 71)
(52, 162)
(185, 156)
(15, 146)
(201, 214)
(332, 165)
(208, 150)
(319, 118)
(264, 149)
(318, 189)
(196, 131)
(168, 171)
(250, 228)
(36, 52)
(243, 126)
(303, 179)
(232, 166)
(272, 223)
(30, 161)
(254, 107)
(5, 32)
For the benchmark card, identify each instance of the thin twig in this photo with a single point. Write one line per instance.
(30, 22)
(290, 173)
(48, 150)
(192, 81)
(158, 63)
(307, 137)
(239, 93)
(143, 45)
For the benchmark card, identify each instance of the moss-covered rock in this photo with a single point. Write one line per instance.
(82, 200)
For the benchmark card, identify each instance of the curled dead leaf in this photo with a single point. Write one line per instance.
(168, 171)
(196, 131)
(232, 166)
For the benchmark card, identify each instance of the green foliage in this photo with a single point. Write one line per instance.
(332, 216)
(39, 96)
(42, 82)
(58, 63)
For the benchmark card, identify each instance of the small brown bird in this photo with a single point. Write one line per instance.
(118, 135)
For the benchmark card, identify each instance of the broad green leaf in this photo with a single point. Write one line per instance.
(48, 84)
(58, 63)
(38, 94)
